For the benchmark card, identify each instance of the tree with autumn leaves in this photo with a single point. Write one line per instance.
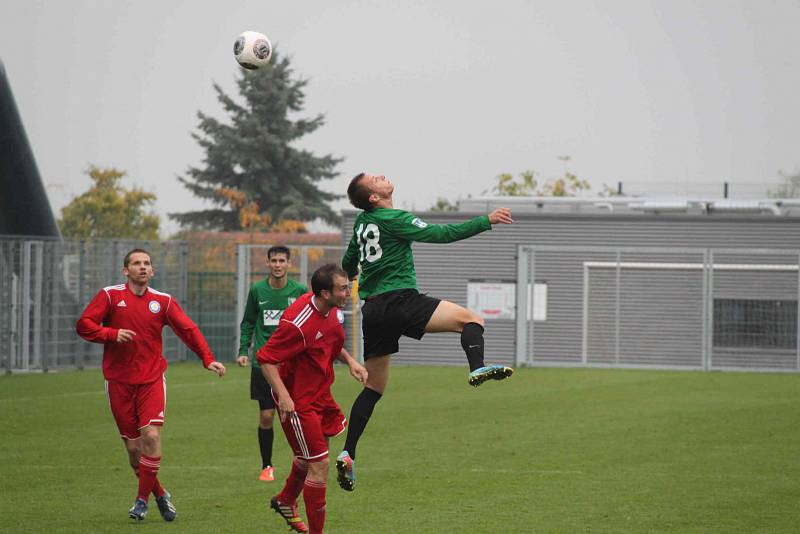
(253, 173)
(108, 209)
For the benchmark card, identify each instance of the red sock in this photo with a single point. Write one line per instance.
(314, 497)
(294, 483)
(158, 489)
(148, 469)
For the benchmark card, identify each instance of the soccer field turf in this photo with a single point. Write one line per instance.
(550, 450)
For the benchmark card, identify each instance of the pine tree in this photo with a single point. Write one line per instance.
(252, 173)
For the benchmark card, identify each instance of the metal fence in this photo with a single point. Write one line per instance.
(693, 308)
(45, 284)
(657, 307)
(252, 266)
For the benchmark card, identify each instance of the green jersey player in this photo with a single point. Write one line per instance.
(380, 248)
(265, 304)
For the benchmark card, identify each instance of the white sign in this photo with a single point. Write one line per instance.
(498, 300)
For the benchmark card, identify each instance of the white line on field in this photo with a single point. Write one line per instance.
(102, 392)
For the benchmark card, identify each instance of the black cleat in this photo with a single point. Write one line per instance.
(489, 372)
(139, 510)
(289, 513)
(345, 471)
(166, 508)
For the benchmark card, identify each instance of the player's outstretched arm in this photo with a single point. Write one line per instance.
(501, 216)
(410, 227)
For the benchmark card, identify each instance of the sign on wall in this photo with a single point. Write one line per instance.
(497, 300)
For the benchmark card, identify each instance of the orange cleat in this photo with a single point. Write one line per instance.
(267, 474)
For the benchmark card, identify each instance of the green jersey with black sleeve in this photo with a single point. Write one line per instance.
(381, 245)
(263, 312)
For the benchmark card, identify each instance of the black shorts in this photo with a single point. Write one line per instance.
(260, 390)
(387, 316)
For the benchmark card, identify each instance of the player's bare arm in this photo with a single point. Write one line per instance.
(357, 371)
(501, 216)
(285, 402)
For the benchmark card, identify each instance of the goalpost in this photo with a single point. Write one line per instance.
(662, 307)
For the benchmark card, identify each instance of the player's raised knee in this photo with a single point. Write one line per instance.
(475, 318)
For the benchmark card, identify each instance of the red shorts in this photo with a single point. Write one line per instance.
(308, 430)
(134, 406)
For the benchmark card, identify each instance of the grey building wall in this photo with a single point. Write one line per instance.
(444, 270)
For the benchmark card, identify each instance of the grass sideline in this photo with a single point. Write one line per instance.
(551, 450)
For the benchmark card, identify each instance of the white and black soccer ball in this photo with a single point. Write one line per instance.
(252, 50)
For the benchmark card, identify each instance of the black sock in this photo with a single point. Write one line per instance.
(472, 343)
(265, 438)
(359, 417)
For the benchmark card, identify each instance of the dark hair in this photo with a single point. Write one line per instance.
(278, 249)
(127, 259)
(322, 279)
(358, 193)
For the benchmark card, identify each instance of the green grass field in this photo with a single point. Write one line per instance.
(551, 450)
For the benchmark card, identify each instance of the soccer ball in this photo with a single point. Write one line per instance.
(252, 50)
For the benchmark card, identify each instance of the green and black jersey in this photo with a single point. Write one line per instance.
(263, 311)
(381, 245)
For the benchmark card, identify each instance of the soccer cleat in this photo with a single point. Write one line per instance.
(489, 372)
(290, 513)
(345, 474)
(166, 508)
(267, 474)
(139, 510)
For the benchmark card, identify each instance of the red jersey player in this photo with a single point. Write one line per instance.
(297, 361)
(127, 319)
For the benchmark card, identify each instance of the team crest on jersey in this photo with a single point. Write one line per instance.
(340, 316)
(154, 306)
(272, 317)
(419, 223)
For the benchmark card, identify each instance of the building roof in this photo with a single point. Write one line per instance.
(770, 207)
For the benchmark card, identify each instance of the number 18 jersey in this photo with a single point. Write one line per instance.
(381, 246)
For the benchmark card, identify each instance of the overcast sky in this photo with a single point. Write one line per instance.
(441, 96)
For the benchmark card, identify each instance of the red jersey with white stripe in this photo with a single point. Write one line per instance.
(139, 361)
(305, 344)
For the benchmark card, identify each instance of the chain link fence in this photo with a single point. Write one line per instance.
(45, 285)
(252, 266)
